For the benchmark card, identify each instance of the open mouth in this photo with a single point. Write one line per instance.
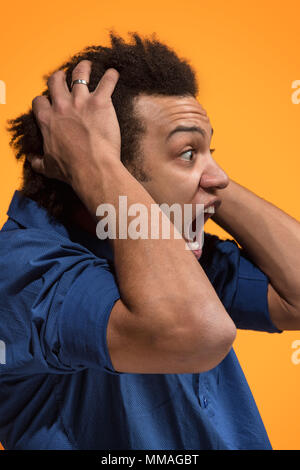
(196, 230)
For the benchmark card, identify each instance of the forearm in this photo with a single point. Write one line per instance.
(270, 237)
(156, 277)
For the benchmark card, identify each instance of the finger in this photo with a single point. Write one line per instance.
(82, 71)
(41, 108)
(37, 163)
(107, 84)
(58, 87)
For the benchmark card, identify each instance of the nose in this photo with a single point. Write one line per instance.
(213, 176)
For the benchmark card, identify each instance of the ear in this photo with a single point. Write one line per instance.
(37, 163)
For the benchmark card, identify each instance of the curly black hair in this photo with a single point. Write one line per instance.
(146, 66)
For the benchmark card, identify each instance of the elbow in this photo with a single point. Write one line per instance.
(201, 345)
(226, 338)
(215, 344)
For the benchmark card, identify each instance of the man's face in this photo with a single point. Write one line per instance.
(178, 163)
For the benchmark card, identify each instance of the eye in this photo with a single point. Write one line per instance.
(189, 153)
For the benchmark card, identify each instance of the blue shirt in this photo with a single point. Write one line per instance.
(58, 387)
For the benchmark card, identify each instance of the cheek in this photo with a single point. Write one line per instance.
(178, 190)
(171, 184)
(185, 187)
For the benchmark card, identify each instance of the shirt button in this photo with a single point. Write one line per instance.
(203, 401)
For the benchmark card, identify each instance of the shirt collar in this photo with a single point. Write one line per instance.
(29, 214)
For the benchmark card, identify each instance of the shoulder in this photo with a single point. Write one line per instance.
(33, 257)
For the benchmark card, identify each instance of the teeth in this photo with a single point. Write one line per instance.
(194, 246)
(210, 210)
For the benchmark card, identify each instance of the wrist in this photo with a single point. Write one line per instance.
(97, 182)
(95, 172)
(225, 196)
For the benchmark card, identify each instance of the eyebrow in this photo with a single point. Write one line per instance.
(188, 129)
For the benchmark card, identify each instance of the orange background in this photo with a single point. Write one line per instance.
(246, 55)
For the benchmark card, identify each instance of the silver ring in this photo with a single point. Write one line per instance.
(79, 81)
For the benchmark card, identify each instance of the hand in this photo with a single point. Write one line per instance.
(79, 128)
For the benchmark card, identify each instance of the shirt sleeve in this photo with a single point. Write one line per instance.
(240, 284)
(55, 303)
(83, 318)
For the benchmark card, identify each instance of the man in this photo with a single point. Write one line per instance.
(127, 343)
